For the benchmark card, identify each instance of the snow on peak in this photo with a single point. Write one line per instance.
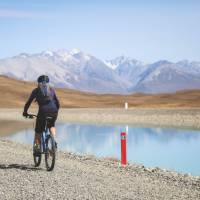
(47, 53)
(122, 60)
(110, 64)
(114, 63)
(23, 55)
(119, 60)
(80, 55)
(64, 55)
(75, 51)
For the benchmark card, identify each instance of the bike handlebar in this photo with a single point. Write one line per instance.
(31, 116)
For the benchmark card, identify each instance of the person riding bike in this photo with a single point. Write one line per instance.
(48, 104)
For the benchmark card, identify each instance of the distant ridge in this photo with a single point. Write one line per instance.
(81, 71)
(15, 93)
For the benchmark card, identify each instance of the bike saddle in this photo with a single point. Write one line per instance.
(49, 117)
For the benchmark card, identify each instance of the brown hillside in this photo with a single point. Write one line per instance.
(14, 93)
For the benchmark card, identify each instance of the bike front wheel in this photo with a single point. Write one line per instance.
(50, 154)
(37, 159)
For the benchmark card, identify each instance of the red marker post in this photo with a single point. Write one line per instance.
(123, 149)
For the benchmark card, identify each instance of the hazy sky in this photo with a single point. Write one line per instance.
(148, 30)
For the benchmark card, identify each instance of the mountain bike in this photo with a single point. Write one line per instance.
(47, 146)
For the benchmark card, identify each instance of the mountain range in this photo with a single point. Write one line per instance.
(81, 71)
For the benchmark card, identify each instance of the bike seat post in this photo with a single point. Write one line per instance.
(48, 119)
(47, 122)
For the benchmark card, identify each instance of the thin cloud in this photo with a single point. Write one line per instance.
(19, 14)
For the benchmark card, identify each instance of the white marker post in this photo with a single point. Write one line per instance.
(126, 129)
(126, 105)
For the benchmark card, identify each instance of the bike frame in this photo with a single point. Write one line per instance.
(44, 136)
(43, 139)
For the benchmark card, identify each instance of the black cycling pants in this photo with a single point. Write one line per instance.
(41, 121)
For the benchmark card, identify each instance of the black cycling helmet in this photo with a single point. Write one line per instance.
(43, 78)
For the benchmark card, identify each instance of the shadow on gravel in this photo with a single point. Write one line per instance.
(17, 166)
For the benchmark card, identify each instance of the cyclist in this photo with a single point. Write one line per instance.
(48, 104)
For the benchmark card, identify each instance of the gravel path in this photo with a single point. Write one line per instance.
(187, 117)
(86, 177)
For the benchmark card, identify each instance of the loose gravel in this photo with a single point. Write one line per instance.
(86, 177)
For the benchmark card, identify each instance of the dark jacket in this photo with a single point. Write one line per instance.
(44, 107)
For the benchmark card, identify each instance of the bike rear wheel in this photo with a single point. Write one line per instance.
(50, 154)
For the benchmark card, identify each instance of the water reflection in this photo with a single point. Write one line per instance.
(174, 149)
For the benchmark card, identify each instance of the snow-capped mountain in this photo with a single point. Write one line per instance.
(165, 76)
(129, 69)
(78, 70)
(114, 63)
(72, 69)
(162, 76)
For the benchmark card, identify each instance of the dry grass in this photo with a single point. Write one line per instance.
(16, 92)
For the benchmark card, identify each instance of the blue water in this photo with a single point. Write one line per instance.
(169, 148)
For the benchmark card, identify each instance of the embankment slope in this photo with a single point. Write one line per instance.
(16, 92)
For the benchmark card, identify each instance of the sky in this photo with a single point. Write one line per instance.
(147, 30)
